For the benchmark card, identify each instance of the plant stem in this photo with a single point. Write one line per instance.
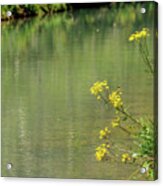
(146, 47)
(145, 54)
(105, 100)
(125, 130)
(129, 116)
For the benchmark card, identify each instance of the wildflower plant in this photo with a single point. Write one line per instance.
(143, 139)
(98, 88)
(102, 152)
(140, 38)
(116, 122)
(125, 157)
(115, 99)
(139, 35)
(104, 134)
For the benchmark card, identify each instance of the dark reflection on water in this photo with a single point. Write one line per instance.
(50, 122)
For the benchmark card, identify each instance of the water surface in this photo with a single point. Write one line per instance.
(50, 121)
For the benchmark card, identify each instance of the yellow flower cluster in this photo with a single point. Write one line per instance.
(115, 99)
(139, 35)
(98, 88)
(115, 122)
(125, 157)
(104, 133)
(102, 151)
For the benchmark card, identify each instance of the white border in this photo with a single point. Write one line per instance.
(63, 182)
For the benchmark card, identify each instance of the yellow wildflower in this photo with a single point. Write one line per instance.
(125, 157)
(139, 35)
(98, 148)
(115, 122)
(106, 129)
(101, 152)
(98, 97)
(103, 145)
(115, 99)
(143, 33)
(132, 37)
(104, 133)
(98, 156)
(98, 88)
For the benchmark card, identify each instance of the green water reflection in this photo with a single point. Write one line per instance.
(50, 122)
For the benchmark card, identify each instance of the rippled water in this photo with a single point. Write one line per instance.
(50, 122)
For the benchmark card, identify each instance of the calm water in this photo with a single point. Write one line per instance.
(50, 122)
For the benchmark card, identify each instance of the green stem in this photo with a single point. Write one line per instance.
(146, 47)
(105, 100)
(148, 63)
(145, 54)
(129, 116)
(125, 130)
